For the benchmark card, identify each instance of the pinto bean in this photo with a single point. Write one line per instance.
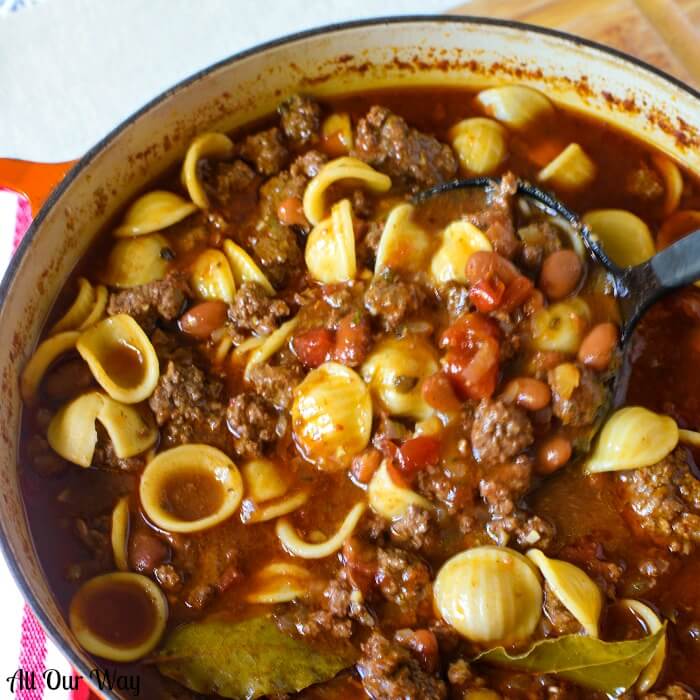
(203, 319)
(146, 551)
(352, 340)
(560, 273)
(553, 453)
(484, 265)
(438, 392)
(530, 394)
(597, 347)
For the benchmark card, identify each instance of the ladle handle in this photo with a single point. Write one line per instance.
(640, 286)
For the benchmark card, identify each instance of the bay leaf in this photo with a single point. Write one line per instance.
(611, 667)
(244, 660)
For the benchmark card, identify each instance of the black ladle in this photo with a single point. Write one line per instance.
(636, 288)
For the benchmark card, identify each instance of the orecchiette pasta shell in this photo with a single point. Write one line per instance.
(480, 145)
(332, 415)
(254, 513)
(403, 244)
(79, 309)
(97, 311)
(651, 621)
(72, 432)
(673, 182)
(633, 437)
(517, 106)
(44, 356)
(134, 600)
(152, 212)
(279, 582)
(574, 588)
(561, 327)
(209, 145)
(244, 268)
(330, 247)
(351, 170)
(190, 488)
(211, 277)
(388, 499)
(623, 235)
(121, 358)
(120, 533)
(394, 372)
(460, 240)
(572, 169)
(263, 480)
(271, 345)
(136, 261)
(489, 595)
(298, 547)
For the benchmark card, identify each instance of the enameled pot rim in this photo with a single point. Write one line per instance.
(76, 171)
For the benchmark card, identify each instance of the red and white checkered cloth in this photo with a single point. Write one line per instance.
(23, 642)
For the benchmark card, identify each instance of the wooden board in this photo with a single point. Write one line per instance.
(665, 33)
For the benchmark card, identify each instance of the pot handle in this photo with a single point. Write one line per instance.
(33, 180)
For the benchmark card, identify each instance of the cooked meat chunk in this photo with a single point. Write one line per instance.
(664, 500)
(558, 617)
(404, 579)
(146, 551)
(503, 485)
(277, 248)
(266, 150)
(106, 458)
(671, 692)
(43, 459)
(254, 422)
(452, 484)
(188, 406)
(582, 405)
(67, 379)
(94, 536)
(415, 529)
(391, 301)
(367, 247)
(528, 530)
(308, 164)
(253, 309)
(161, 299)
(390, 672)
(300, 117)
(500, 431)
(496, 220)
(275, 383)
(226, 181)
(539, 239)
(385, 141)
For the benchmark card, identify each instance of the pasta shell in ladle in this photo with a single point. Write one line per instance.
(574, 588)
(121, 358)
(330, 247)
(489, 595)
(460, 240)
(208, 145)
(154, 211)
(632, 437)
(561, 327)
(72, 433)
(172, 477)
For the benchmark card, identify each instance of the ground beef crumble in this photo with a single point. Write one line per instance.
(582, 406)
(300, 118)
(266, 150)
(253, 309)
(500, 431)
(255, 423)
(389, 671)
(385, 141)
(161, 299)
(664, 500)
(391, 301)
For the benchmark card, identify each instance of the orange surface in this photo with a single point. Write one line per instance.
(34, 180)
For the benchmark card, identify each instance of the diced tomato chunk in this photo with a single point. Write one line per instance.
(314, 347)
(517, 293)
(487, 294)
(291, 212)
(418, 453)
(396, 475)
(468, 330)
